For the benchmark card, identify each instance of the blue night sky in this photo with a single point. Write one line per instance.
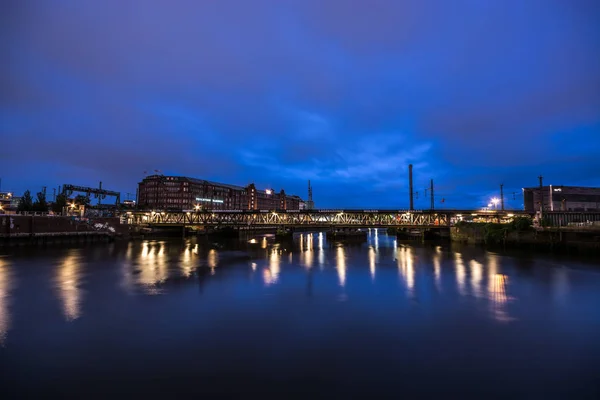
(344, 93)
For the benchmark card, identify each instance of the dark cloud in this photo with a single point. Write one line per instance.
(278, 92)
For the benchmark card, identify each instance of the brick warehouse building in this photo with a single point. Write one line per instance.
(183, 193)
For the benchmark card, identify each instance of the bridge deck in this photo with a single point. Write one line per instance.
(317, 218)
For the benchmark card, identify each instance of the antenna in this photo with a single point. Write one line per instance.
(310, 204)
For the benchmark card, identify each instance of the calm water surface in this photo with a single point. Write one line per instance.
(308, 319)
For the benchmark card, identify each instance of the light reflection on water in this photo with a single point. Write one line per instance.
(187, 262)
(437, 268)
(152, 267)
(476, 277)
(213, 260)
(497, 290)
(68, 280)
(321, 255)
(373, 251)
(459, 267)
(372, 261)
(405, 260)
(341, 264)
(307, 253)
(6, 286)
(271, 274)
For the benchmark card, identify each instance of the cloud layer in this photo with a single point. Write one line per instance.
(278, 92)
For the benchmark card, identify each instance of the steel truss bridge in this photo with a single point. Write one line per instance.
(316, 218)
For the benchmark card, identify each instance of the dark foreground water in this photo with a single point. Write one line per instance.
(160, 319)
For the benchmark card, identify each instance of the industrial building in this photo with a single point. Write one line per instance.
(8, 202)
(184, 193)
(561, 198)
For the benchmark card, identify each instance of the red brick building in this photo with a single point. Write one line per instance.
(183, 193)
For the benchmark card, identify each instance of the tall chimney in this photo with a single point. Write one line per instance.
(410, 185)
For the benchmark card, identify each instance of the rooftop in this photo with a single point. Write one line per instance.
(204, 181)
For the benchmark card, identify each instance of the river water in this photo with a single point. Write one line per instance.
(309, 319)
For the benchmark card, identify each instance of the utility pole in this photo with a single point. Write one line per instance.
(502, 196)
(44, 190)
(410, 185)
(54, 194)
(432, 198)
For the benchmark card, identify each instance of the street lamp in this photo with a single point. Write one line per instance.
(495, 201)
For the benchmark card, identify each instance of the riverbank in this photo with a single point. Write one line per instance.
(35, 229)
(554, 239)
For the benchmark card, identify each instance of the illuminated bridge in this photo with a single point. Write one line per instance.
(318, 218)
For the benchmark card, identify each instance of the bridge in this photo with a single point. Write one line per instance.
(318, 218)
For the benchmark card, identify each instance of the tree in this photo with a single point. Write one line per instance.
(60, 203)
(521, 224)
(40, 203)
(26, 203)
(82, 200)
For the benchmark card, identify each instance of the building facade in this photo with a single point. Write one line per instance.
(184, 193)
(561, 198)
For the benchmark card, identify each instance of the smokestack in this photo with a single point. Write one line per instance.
(410, 185)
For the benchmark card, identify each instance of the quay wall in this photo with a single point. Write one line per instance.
(576, 239)
(36, 228)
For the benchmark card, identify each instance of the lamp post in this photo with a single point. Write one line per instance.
(495, 202)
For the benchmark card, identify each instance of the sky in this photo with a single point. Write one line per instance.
(345, 93)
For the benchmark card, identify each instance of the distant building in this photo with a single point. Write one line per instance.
(6, 200)
(561, 198)
(184, 193)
